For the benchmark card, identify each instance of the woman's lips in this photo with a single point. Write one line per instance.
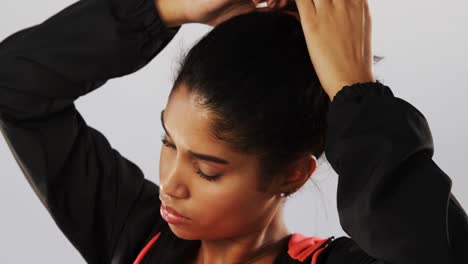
(172, 217)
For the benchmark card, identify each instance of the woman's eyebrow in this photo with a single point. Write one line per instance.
(196, 155)
(208, 158)
(162, 123)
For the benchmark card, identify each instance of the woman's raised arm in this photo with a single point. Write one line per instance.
(88, 187)
(393, 200)
(95, 195)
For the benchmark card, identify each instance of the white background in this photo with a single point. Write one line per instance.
(423, 43)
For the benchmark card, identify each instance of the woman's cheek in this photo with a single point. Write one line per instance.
(229, 201)
(217, 210)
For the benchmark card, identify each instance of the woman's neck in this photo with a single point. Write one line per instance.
(262, 246)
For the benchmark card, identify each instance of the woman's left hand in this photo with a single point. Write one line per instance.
(338, 35)
(210, 12)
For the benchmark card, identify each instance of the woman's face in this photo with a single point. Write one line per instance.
(205, 180)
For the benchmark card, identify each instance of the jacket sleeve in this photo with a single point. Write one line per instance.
(89, 188)
(393, 200)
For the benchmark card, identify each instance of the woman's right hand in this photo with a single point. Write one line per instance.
(210, 12)
(338, 36)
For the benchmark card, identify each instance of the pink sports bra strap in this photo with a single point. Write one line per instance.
(146, 249)
(301, 247)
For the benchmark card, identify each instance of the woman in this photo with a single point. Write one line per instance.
(230, 155)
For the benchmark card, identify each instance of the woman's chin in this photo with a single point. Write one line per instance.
(184, 232)
(191, 233)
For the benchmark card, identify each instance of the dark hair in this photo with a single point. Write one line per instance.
(254, 74)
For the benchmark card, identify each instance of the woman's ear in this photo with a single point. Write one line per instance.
(298, 174)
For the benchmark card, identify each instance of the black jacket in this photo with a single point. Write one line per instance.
(393, 200)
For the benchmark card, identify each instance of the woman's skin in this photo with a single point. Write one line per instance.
(235, 220)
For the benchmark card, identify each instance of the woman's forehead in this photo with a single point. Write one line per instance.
(185, 116)
(190, 126)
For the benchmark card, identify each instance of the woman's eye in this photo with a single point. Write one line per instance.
(208, 177)
(166, 143)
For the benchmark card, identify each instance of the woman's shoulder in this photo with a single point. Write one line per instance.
(318, 250)
(345, 250)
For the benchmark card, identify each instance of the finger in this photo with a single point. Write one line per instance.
(271, 4)
(306, 6)
(232, 11)
(286, 6)
(283, 3)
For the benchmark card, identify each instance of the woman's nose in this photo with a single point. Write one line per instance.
(172, 185)
(174, 191)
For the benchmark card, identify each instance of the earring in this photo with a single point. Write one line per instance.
(287, 194)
